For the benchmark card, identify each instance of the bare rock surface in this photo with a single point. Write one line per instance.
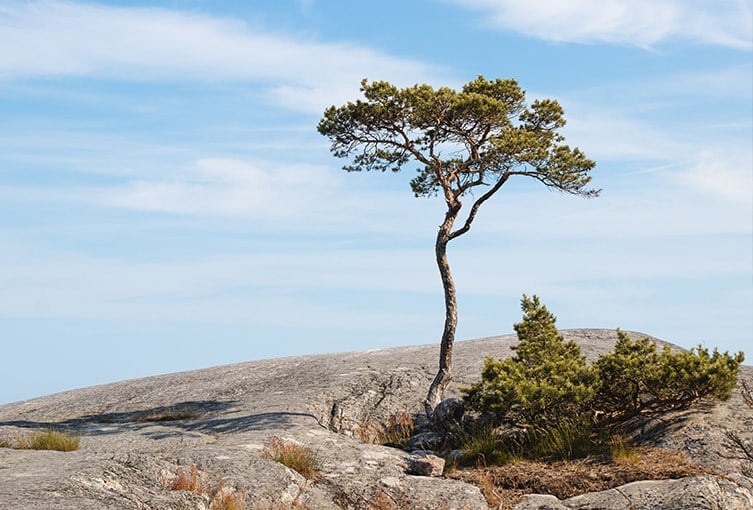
(221, 418)
(698, 492)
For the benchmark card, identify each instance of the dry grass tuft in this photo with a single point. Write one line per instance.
(223, 499)
(219, 496)
(396, 431)
(187, 480)
(622, 452)
(44, 440)
(293, 455)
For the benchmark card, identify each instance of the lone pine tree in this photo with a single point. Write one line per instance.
(466, 143)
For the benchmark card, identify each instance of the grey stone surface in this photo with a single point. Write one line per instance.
(230, 412)
(425, 441)
(697, 493)
(425, 464)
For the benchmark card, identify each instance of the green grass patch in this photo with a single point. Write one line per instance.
(482, 444)
(46, 440)
(564, 441)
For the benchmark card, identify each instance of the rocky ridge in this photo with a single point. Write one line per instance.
(229, 413)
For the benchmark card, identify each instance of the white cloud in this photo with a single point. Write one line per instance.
(53, 38)
(706, 158)
(231, 187)
(728, 175)
(256, 287)
(608, 133)
(641, 23)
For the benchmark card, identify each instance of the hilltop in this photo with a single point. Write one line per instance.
(137, 435)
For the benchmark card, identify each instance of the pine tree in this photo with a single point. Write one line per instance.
(546, 381)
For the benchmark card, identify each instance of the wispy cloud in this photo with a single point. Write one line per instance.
(53, 38)
(680, 126)
(642, 23)
(231, 187)
(726, 175)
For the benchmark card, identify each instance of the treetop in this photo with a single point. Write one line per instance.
(478, 136)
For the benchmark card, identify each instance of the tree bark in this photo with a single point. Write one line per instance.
(444, 374)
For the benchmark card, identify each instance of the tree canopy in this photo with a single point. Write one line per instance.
(479, 136)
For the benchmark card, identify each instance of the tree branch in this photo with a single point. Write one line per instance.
(474, 208)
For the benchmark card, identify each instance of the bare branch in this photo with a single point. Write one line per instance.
(741, 444)
(745, 392)
(474, 208)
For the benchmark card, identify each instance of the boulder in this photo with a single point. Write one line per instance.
(425, 464)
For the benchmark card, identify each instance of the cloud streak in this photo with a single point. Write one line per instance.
(52, 38)
(643, 23)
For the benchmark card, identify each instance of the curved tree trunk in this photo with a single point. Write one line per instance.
(444, 375)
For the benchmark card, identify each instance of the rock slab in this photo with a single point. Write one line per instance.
(136, 436)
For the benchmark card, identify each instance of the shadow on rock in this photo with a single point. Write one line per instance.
(91, 424)
(194, 416)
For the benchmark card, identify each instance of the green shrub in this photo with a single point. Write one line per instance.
(546, 380)
(636, 379)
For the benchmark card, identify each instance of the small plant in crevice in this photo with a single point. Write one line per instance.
(186, 480)
(223, 499)
(397, 431)
(219, 496)
(293, 455)
(44, 440)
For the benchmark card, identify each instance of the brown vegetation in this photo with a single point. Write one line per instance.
(293, 455)
(504, 486)
(220, 498)
(186, 480)
(396, 431)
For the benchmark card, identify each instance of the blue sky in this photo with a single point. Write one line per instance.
(167, 204)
